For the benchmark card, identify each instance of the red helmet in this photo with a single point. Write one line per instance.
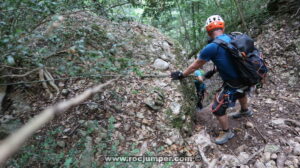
(214, 22)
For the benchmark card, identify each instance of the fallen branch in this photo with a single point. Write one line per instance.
(44, 83)
(292, 122)
(51, 82)
(12, 143)
(296, 13)
(289, 100)
(7, 66)
(263, 137)
(22, 75)
(56, 53)
(284, 98)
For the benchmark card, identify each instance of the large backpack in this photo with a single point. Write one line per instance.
(246, 58)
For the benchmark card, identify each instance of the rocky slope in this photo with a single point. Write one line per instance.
(153, 116)
(143, 112)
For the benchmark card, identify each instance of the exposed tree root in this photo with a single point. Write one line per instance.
(22, 75)
(45, 86)
(49, 77)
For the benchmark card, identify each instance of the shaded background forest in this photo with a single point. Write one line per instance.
(135, 116)
(181, 20)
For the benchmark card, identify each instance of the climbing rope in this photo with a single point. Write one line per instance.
(85, 76)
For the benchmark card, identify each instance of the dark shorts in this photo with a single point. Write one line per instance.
(225, 98)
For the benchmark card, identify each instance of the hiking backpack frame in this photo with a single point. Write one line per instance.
(246, 58)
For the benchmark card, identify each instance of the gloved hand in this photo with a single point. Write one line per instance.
(177, 75)
(209, 74)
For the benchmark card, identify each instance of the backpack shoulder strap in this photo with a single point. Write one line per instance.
(221, 43)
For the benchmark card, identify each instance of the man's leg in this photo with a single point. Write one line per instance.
(245, 111)
(219, 108)
(223, 120)
(244, 102)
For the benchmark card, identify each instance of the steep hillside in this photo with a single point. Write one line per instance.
(140, 113)
(144, 113)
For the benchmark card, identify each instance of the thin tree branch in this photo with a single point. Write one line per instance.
(12, 143)
(22, 75)
(117, 5)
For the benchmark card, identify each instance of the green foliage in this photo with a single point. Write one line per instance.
(45, 151)
(184, 19)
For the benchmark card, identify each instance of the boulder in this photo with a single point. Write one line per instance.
(175, 107)
(161, 64)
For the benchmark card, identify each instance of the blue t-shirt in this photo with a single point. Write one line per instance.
(199, 85)
(220, 57)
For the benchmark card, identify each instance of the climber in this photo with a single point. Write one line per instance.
(200, 87)
(232, 89)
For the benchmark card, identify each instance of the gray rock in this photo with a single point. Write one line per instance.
(61, 84)
(140, 115)
(281, 159)
(259, 164)
(271, 164)
(176, 137)
(175, 107)
(98, 140)
(229, 161)
(297, 139)
(160, 64)
(92, 106)
(241, 148)
(244, 166)
(288, 163)
(61, 144)
(296, 162)
(249, 124)
(279, 121)
(267, 156)
(274, 156)
(296, 150)
(151, 104)
(65, 92)
(243, 156)
(164, 57)
(168, 141)
(82, 132)
(5, 119)
(81, 121)
(272, 148)
(166, 46)
(127, 127)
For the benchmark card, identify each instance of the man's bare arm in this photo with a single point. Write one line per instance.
(200, 78)
(194, 66)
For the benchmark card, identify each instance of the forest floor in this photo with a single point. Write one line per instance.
(136, 116)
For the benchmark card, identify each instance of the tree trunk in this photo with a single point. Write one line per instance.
(194, 25)
(237, 4)
(184, 25)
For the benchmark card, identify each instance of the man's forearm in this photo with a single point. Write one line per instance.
(193, 67)
(190, 70)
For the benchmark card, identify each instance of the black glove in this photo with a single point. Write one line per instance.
(177, 75)
(209, 74)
